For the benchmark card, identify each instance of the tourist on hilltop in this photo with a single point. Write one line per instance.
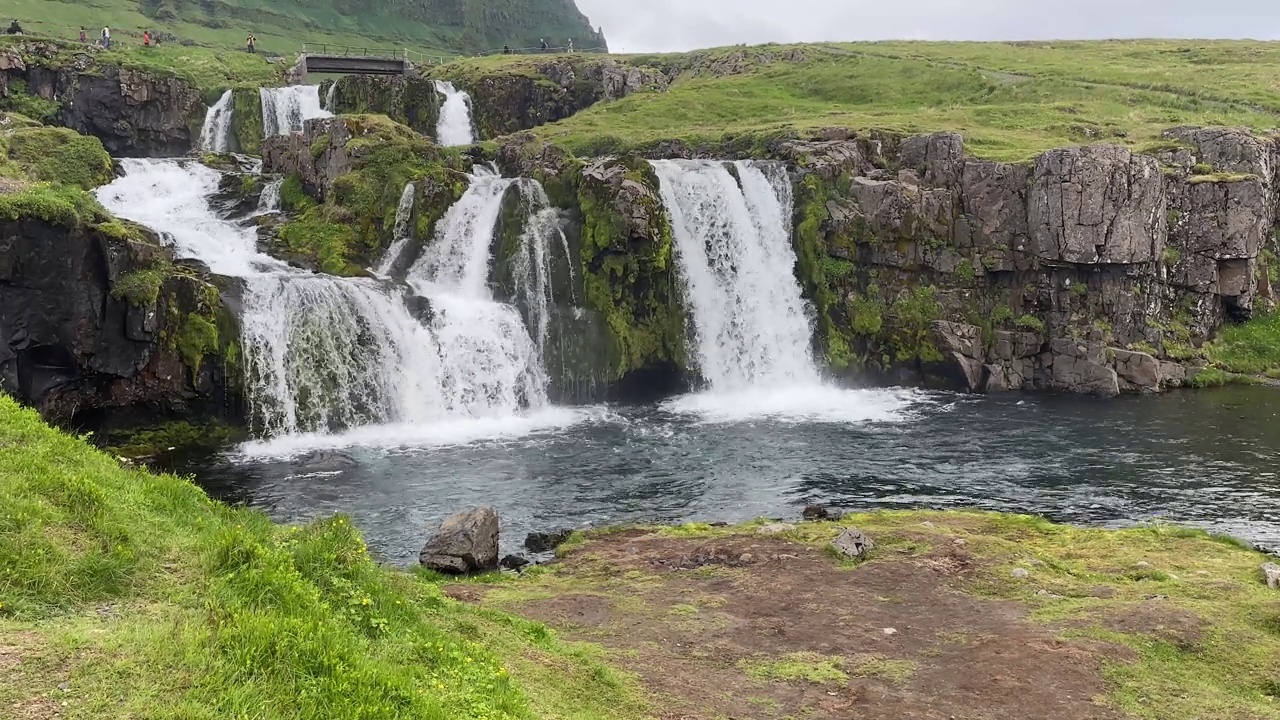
(83, 37)
(106, 38)
(506, 49)
(570, 44)
(146, 38)
(251, 43)
(14, 28)
(544, 45)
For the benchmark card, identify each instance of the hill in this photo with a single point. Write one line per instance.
(430, 27)
(1010, 100)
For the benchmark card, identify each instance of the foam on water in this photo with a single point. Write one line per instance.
(454, 126)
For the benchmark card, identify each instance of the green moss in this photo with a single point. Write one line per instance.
(1202, 169)
(32, 106)
(803, 666)
(1220, 177)
(246, 119)
(1001, 316)
(322, 237)
(59, 155)
(220, 161)
(293, 196)
(630, 280)
(1030, 322)
(142, 287)
(175, 437)
(197, 337)
(910, 326)
(58, 204)
(865, 317)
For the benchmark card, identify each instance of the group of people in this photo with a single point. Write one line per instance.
(506, 49)
(148, 38)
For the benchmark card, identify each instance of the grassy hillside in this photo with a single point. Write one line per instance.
(127, 594)
(1010, 100)
(434, 27)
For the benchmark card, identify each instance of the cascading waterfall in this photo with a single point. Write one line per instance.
(402, 234)
(269, 200)
(533, 272)
(735, 257)
(285, 109)
(454, 126)
(330, 98)
(320, 353)
(215, 135)
(489, 361)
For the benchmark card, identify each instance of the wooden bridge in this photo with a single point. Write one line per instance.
(346, 60)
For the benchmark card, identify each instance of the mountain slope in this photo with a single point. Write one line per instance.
(439, 27)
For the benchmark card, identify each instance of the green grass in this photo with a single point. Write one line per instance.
(151, 600)
(54, 155)
(1251, 348)
(1010, 100)
(802, 667)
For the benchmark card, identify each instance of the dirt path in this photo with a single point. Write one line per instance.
(755, 626)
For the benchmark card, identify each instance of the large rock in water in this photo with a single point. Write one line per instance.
(467, 542)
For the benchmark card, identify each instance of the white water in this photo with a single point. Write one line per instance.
(751, 327)
(269, 201)
(326, 354)
(215, 136)
(454, 126)
(533, 270)
(402, 234)
(330, 96)
(489, 361)
(285, 109)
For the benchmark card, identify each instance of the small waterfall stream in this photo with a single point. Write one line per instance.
(215, 135)
(285, 109)
(402, 234)
(454, 126)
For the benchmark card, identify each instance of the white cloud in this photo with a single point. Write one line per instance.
(669, 25)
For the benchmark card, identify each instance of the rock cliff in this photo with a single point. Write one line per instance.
(102, 329)
(133, 112)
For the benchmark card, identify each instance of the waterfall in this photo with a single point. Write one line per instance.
(489, 361)
(215, 135)
(269, 200)
(454, 126)
(534, 272)
(733, 247)
(331, 97)
(285, 109)
(402, 234)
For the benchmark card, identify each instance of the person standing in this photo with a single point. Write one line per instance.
(251, 43)
(83, 38)
(146, 38)
(106, 38)
(570, 45)
(544, 45)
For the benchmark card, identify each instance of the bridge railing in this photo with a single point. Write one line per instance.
(429, 59)
(354, 51)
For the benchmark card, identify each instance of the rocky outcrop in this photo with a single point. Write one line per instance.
(1091, 269)
(466, 542)
(133, 112)
(410, 100)
(99, 328)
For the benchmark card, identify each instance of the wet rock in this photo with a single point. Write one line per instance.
(1139, 369)
(852, 543)
(466, 542)
(514, 562)
(1271, 572)
(541, 542)
(820, 512)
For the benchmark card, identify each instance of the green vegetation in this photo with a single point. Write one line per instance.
(54, 155)
(910, 329)
(156, 443)
(58, 204)
(1030, 322)
(1010, 100)
(806, 667)
(152, 600)
(433, 27)
(141, 287)
(32, 107)
(896, 671)
(1250, 348)
(324, 236)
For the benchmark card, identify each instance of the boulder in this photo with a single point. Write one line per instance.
(541, 542)
(1138, 368)
(852, 543)
(820, 512)
(515, 562)
(467, 542)
(1271, 572)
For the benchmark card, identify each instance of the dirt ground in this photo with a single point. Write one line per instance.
(761, 627)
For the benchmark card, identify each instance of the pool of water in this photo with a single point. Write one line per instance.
(1208, 459)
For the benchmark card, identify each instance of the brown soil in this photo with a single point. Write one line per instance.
(700, 621)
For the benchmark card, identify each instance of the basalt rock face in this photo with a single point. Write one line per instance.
(134, 113)
(410, 100)
(547, 91)
(86, 343)
(1091, 269)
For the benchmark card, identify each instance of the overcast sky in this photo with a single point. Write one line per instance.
(662, 25)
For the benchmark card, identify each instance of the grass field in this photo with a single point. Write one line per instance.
(128, 594)
(1010, 100)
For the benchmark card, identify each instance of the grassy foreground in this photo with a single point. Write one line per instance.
(1010, 100)
(128, 594)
